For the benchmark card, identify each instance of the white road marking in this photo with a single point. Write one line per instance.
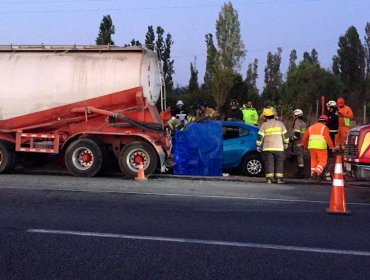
(181, 195)
(204, 242)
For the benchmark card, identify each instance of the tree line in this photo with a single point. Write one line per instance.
(304, 82)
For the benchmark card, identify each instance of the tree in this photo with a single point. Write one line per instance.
(162, 46)
(305, 84)
(105, 31)
(229, 56)
(211, 60)
(135, 42)
(150, 38)
(273, 77)
(193, 82)
(350, 65)
(367, 50)
(251, 82)
(292, 60)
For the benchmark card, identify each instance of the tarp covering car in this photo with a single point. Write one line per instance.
(198, 149)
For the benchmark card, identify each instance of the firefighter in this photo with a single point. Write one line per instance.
(234, 113)
(344, 119)
(205, 113)
(333, 121)
(267, 105)
(316, 139)
(299, 128)
(179, 112)
(250, 115)
(272, 140)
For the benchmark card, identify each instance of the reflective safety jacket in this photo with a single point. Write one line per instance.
(299, 128)
(272, 135)
(347, 115)
(317, 137)
(250, 116)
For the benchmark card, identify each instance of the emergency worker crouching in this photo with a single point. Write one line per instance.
(205, 113)
(316, 139)
(299, 128)
(272, 140)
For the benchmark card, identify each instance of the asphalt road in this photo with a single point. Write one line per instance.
(61, 227)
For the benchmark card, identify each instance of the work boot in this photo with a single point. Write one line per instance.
(280, 181)
(268, 181)
(316, 177)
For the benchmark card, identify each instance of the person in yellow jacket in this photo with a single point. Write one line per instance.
(272, 140)
(316, 139)
(345, 115)
(250, 115)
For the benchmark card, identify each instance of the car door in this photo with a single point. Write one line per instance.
(237, 141)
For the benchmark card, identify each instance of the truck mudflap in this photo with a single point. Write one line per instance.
(162, 157)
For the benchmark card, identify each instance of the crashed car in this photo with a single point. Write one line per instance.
(239, 148)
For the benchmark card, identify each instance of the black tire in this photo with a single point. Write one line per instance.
(7, 157)
(84, 158)
(252, 165)
(132, 154)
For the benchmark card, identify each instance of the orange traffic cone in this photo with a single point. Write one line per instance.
(140, 173)
(338, 200)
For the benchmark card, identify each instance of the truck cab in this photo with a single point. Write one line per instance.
(357, 155)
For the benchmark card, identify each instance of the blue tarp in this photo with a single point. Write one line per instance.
(198, 149)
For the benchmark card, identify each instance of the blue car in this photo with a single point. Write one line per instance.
(239, 148)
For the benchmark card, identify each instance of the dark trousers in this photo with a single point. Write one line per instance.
(274, 164)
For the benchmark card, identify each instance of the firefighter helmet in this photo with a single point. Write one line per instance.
(298, 113)
(267, 112)
(331, 103)
(180, 103)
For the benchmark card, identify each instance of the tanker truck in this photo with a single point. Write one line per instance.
(86, 105)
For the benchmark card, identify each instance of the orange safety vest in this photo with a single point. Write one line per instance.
(316, 138)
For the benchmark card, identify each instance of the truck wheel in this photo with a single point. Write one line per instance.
(7, 157)
(84, 158)
(132, 154)
(252, 165)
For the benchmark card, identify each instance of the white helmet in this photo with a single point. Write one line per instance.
(298, 113)
(180, 103)
(331, 103)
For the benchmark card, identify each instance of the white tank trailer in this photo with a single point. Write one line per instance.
(84, 103)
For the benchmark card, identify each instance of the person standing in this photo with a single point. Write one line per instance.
(267, 105)
(345, 115)
(299, 128)
(316, 139)
(250, 115)
(180, 112)
(272, 140)
(234, 113)
(333, 121)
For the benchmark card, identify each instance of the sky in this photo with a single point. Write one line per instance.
(265, 25)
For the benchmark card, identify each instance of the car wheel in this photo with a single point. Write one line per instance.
(252, 165)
